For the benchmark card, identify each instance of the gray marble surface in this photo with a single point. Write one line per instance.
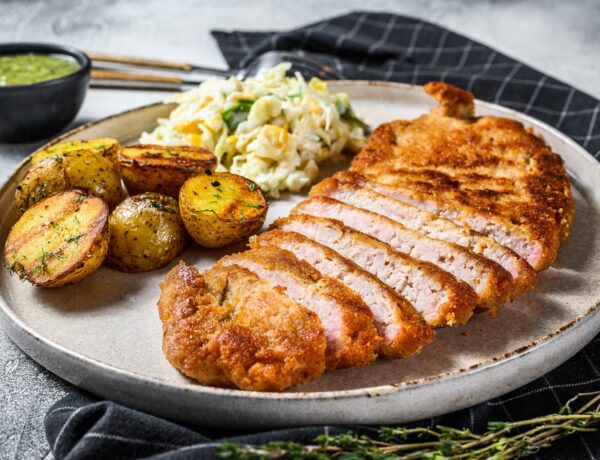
(559, 37)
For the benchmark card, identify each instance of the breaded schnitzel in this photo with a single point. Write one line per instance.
(489, 173)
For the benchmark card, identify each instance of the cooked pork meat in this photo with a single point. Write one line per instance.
(352, 338)
(349, 188)
(227, 327)
(441, 299)
(489, 173)
(401, 327)
(489, 280)
(436, 216)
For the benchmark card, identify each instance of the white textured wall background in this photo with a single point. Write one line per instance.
(559, 37)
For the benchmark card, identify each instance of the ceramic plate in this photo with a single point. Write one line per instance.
(104, 334)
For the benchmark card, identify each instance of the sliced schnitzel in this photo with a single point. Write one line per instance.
(489, 173)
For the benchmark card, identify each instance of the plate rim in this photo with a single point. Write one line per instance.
(195, 387)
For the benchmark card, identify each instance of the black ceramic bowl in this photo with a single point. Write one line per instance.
(39, 110)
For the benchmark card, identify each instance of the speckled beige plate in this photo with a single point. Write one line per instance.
(104, 334)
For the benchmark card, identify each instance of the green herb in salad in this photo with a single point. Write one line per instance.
(346, 113)
(237, 114)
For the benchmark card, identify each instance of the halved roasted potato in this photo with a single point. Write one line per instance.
(162, 169)
(60, 240)
(83, 170)
(221, 208)
(105, 147)
(146, 232)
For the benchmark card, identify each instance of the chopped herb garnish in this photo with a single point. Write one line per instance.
(346, 113)
(212, 211)
(237, 114)
(18, 269)
(100, 147)
(252, 186)
(80, 198)
(45, 256)
(158, 205)
(73, 239)
(58, 158)
(215, 183)
(10, 268)
(257, 206)
(241, 215)
(41, 191)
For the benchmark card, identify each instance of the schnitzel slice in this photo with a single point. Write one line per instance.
(226, 327)
(426, 223)
(438, 296)
(400, 326)
(489, 280)
(352, 339)
(489, 173)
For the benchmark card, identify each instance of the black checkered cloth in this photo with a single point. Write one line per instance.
(372, 46)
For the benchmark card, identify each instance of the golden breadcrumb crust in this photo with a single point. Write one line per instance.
(413, 332)
(489, 165)
(524, 279)
(226, 327)
(499, 281)
(461, 300)
(360, 339)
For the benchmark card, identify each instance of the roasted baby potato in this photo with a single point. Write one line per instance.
(82, 170)
(105, 147)
(146, 232)
(60, 240)
(161, 169)
(221, 208)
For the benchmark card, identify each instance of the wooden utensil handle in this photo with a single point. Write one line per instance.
(133, 87)
(126, 76)
(138, 61)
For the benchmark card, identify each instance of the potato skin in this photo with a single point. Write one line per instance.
(86, 171)
(146, 233)
(60, 240)
(105, 147)
(221, 208)
(161, 169)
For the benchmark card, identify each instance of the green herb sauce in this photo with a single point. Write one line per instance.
(24, 69)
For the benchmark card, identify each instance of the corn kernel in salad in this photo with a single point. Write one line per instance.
(272, 128)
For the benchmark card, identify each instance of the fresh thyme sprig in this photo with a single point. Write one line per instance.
(502, 441)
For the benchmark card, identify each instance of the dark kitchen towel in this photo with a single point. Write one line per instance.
(373, 46)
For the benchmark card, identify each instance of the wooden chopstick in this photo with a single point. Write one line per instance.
(135, 87)
(141, 77)
(140, 62)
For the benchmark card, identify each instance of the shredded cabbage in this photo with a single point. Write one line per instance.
(271, 128)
